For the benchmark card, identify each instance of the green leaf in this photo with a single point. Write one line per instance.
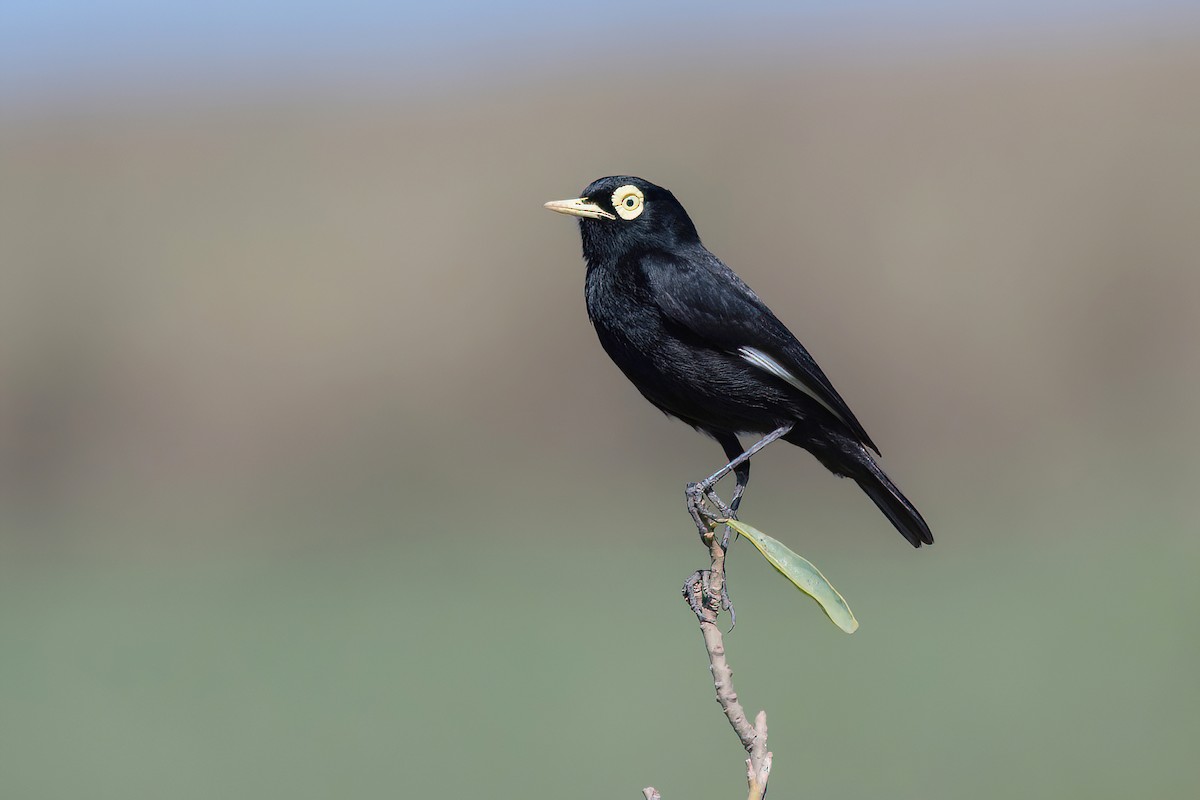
(802, 573)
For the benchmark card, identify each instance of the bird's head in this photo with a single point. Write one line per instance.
(622, 214)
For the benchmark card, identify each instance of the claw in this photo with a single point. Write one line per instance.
(693, 593)
(727, 604)
(705, 518)
(726, 511)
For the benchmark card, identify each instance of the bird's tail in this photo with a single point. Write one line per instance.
(903, 514)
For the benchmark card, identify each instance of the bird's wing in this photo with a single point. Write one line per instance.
(706, 297)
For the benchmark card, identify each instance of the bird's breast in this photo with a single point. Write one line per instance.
(626, 319)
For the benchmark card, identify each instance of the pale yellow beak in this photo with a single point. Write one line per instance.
(579, 207)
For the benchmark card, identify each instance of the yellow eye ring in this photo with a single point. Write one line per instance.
(628, 202)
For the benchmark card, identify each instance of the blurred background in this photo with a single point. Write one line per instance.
(314, 481)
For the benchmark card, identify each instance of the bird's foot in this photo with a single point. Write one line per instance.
(693, 592)
(723, 510)
(704, 518)
(699, 498)
(704, 605)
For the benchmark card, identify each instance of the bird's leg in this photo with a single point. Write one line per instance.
(697, 492)
(741, 473)
(742, 476)
(707, 483)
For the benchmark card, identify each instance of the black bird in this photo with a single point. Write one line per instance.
(698, 343)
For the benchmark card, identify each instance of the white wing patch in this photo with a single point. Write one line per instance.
(767, 364)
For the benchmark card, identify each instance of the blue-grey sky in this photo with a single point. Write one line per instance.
(49, 46)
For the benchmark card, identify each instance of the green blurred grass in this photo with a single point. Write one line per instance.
(479, 658)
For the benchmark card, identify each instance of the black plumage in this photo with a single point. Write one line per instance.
(700, 345)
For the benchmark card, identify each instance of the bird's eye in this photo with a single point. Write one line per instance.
(628, 202)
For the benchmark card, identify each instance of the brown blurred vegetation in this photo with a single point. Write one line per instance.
(212, 303)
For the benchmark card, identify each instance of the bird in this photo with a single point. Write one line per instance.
(700, 345)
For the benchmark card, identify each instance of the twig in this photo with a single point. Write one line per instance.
(757, 781)
(704, 592)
